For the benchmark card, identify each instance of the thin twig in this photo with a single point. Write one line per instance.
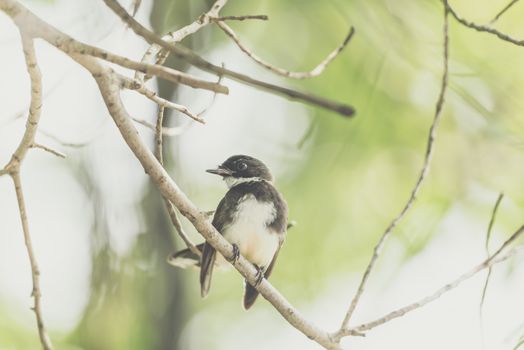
(493, 259)
(48, 149)
(488, 235)
(135, 6)
(423, 173)
(176, 37)
(280, 71)
(62, 142)
(206, 109)
(35, 272)
(152, 95)
(165, 130)
(501, 12)
(192, 58)
(482, 28)
(169, 206)
(241, 18)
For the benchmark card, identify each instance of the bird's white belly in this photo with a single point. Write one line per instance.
(249, 231)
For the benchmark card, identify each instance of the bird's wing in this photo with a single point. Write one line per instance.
(223, 215)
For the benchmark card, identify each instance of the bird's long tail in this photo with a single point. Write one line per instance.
(206, 269)
(185, 258)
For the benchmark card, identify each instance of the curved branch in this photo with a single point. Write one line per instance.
(423, 173)
(13, 169)
(482, 28)
(280, 71)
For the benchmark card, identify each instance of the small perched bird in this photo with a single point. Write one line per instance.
(252, 216)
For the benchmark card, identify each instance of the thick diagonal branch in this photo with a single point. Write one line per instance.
(109, 85)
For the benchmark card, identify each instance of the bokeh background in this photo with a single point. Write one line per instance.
(101, 233)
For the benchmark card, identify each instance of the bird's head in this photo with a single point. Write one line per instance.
(241, 168)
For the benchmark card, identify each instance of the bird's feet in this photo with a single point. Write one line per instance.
(260, 275)
(236, 254)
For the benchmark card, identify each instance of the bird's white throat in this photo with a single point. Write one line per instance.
(233, 181)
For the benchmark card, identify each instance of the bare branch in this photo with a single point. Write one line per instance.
(178, 36)
(488, 235)
(423, 172)
(142, 89)
(241, 18)
(501, 12)
(14, 169)
(109, 86)
(67, 44)
(279, 71)
(191, 57)
(481, 28)
(493, 259)
(62, 142)
(165, 130)
(48, 149)
(135, 7)
(35, 272)
(169, 206)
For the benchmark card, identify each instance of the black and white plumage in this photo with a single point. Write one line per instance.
(252, 216)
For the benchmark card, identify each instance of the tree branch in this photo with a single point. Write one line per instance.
(488, 235)
(493, 259)
(501, 12)
(177, 36)
(48, 149)
(169, 206)
(109, 86)
(280, 71)
(241, 18)
(13, 168)
(197, 61)
(40, 29)
(482, 28)
(423, 172)
(150, 94)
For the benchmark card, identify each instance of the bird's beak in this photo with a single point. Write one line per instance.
(222, 171)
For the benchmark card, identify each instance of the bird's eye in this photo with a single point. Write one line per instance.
(241, 166)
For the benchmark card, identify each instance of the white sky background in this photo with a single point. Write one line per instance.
(60, 216)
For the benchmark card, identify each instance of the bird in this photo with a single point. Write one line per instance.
(252, 216)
